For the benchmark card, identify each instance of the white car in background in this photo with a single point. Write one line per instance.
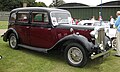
(88, 22)
(111, 32)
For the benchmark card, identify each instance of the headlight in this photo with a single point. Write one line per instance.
(94, 34)
(107, 31)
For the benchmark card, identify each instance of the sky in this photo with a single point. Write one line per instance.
(88, 2)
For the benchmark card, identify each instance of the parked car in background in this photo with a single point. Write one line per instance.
(45, 29)
(89, 22)
(95, 23)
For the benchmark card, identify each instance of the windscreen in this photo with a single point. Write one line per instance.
(61, 17)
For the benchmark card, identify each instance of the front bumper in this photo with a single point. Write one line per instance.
(101, 49)
(102, 45)
(93, 56)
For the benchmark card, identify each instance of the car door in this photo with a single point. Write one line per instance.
(23, 26)
(41, 32)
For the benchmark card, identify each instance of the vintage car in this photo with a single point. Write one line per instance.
(45, 29)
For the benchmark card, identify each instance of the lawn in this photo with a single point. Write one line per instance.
(24, 60)
(3, 24)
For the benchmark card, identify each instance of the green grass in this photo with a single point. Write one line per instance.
(24, 60)
(3, 24)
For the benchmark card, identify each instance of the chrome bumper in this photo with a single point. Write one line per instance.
(100, 54)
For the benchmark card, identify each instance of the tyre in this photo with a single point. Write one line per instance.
(76, 55)
(114, 43)
(13, 42)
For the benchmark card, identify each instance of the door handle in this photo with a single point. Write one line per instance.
(27, 27)
(49, 29)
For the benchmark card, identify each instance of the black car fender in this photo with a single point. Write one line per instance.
(76, 38)
(8, 32)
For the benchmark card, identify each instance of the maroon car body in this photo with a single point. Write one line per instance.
(44, 29)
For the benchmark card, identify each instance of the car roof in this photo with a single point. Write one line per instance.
(38, 8)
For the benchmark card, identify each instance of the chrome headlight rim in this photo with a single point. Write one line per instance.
(94, 33)
(107, 31)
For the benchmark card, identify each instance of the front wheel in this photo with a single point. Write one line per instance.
(114, 43)
(13, 42)
(76, 55)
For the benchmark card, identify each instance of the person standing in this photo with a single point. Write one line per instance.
(111, 22)
(117, 24)
(93, 18)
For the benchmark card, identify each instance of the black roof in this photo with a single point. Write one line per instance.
(72, 4)
(39, 8)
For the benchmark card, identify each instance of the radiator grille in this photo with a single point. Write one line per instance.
(101, 37)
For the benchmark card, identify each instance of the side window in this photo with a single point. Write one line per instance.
(37, 18)
(40, 17)
(23, 17)
(13, 17)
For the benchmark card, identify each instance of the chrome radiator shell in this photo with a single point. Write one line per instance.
(101, 38)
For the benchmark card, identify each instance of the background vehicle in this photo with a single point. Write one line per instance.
(44, 29)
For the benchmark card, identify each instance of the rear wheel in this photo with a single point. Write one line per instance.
(76, 55)
(13, 42)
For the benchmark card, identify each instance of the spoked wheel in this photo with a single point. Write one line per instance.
(114, 43)
(13, 43)
(75, 55)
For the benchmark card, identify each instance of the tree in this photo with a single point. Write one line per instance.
(29, 2)
(40, 4)
(56, 3)
(7, 5)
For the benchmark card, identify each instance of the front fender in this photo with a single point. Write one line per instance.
(8, 32)
(77, 38)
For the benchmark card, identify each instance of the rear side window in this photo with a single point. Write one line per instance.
(40, 17)
(23, 17)
(13, 17)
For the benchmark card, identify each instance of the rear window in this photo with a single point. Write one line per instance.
(23, 16)
(13, 17)
(40, 17)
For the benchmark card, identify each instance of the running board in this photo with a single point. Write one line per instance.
(34, 48)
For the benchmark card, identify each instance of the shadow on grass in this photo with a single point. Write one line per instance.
(52, 55)
(59, 57)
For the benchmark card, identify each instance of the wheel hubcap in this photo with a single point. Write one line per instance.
(13, 41)
(114, 43)
(75, 55)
